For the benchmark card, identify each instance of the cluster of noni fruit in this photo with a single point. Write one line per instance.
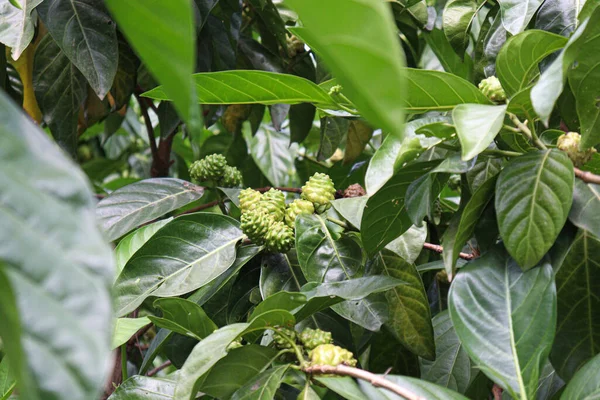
(214, 168)
(268, 221)
(317, 343)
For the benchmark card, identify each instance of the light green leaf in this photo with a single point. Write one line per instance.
(457, 18)
(186, 254)
(171, 26)
(585, 212)
(263, 387)
(344, 386)
(133, 205)
(330, 30)
(529, 48)
(585, 385)
(476, 126)
(516, 14)
(184, 317)
(419, 387)
(578, 284)
(351, 208)
(7, 381)
(140, 387)
(533, 196)
(125, 328)
(410, 244)
(505, 319)
(17, 28)
(461, 66)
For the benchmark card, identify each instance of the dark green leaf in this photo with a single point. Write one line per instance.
(87, 36)
(558, 16)
(186, 254)
(419, 387)
(484, 169)
(126, 76)
(140, 387)
(447, 56)
(585, 212)
(133, 205)
(516, 14)
(533, 196)
(359, 134)
(287, 301)
(301, 121)
(505, 319)
(457, 19)
(280, 272)
(263, 387)
(422, 194)
(344, 386)
(333, 130)
(585, 385)
(184, 317)
(476, 126)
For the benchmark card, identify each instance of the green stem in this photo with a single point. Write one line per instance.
(296, 349)
(124, 362)
(524, 129)
(338, 222)
(501, 153)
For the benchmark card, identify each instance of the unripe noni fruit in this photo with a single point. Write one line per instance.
(312, 338)
(569, 143)
(296, 208)
(280, 341)
(320, 191)
(274, 202)
(249, 199)
(256, 224)
(492, 89)
(211, 167)
(279, 238)
(330, 354)
(232, 177)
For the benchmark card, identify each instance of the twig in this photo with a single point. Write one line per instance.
(283, 189)
(375, 380)
(149, 127)
(587, 176)
(527, 132)
(439, 249)
(202, 207)
(139, 333)
(156, 370)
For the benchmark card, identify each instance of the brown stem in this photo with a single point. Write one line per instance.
(439, 249)
(149, 127)
(587, 176)
(202, 207)
(283, 189)
(156, 370)
(375, 380)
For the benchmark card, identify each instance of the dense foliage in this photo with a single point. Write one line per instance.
(299, 199)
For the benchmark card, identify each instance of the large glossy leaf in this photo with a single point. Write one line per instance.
(451, 62)
(516, 14)
(559, 16)
(419, 387)
(483, 170)
(585, 212)
(452, 366)
(344, 386)
(133, 205)
(140, 387)
(410, 317)
(186, 254)
(333, 130)
(184, 317)
(263, 387)
(203, 357)
(476, 126)
(60, 90)
(87, 36)
(585, 385)
(505, 319)
(125, 328)
(280, 272)
(172, 30)
(578, 284)
(422, 194)
(385, 217)
(456, 21)
(330, 30)
(533, 197)
(59, 288)
(529, 48)
(17, 28)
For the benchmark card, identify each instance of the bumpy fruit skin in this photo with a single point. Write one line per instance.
(256, 224)
(280, 341)
(569, 143)
(492, 89)
(209, 168)
(249, 199)
(294, 46)
(274, 202)
(296, 208)
(312, 338)
(232, 177)
(279, 238)
(330, 354)
(319, 190)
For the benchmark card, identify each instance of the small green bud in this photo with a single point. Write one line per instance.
(232, 177)
(280, 341)
(312, 338)
(320, 191)
(296, 208)
(211, 167)
(329, 354)
(570, 143)
(492, 89)
(279, 238)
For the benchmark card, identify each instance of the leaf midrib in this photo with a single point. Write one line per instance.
(512, 336)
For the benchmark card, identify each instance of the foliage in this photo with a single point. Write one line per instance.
(304, 199)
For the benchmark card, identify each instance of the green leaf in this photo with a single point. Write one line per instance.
(251, 87)
(280, 272)
(133, 205)
(419, 387)
(529, 48)
(516, 14)
(134, 241)
(301, 121)
(454, 239)
(484, 169)
(186, 254)
(287, 301)
(385, 217)
(172, 30)
(125, 328)
(533, 196)
(263, 387)
(333, 130)
(452, 366)
(272, 153)
(578, 330)
(125, 79)
(344, 386)
(359, 134)
(140, 387)
(330, 30)
(18, 27)
(585, 211)
(87, 36)
(505, 319)
(55, 267)
(203, 357)
(184, 317)
(446, 55)
(60, 90)
(422, 194)
(237, 368)
(585, 384)
(476, 126)
(410, 316)
(559, 17)
(7, 381)
(351, 208)
(456, 21)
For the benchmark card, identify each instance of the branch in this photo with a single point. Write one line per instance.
(283, 189)
(439, 249)
(587, 176)
(156, 370)
(375, 380)
(149, 127)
